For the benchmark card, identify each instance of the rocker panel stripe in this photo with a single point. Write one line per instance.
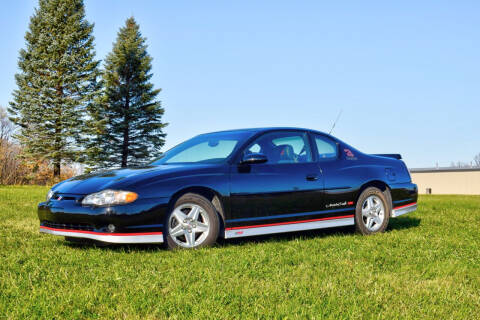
(288, 222)
(289, 226)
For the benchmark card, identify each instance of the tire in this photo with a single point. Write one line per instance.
(372, 212)
(192, 223)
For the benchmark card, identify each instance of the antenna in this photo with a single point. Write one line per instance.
(336, 120)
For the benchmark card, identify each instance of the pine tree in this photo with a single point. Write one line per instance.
(134, 130)
(57, 82)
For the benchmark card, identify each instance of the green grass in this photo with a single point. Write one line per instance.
(426, 266)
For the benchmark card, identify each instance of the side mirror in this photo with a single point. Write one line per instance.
(254, 158)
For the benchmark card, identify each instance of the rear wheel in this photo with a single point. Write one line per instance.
(372, 212)
(192, 223)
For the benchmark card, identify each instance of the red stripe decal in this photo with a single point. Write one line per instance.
(407, 205)
(289, 222)
(103, 233)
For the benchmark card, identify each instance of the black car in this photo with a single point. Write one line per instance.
(232, 184)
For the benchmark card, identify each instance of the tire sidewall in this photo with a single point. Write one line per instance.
(372, 191)
(212, 216)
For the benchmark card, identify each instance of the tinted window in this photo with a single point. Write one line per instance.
(282, 147)
(204, 151)
(205, 148)
(327, 149)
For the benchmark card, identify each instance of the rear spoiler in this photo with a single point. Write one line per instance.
(391, 155)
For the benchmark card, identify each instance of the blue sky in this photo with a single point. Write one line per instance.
(405, 74)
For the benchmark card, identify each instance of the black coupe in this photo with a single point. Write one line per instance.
(232, 184)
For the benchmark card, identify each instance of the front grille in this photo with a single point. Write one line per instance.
(68, 226)
(66, 196)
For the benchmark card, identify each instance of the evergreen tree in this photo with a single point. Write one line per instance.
(134, 130)
(57, 82)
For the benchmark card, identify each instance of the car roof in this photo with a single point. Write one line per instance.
(265, 129)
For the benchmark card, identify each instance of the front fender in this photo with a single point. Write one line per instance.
(219, 182)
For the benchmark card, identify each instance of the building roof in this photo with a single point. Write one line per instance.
(443, 169)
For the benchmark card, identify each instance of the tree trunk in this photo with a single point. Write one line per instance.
(58, 139)
(56, 168)
(125, 133)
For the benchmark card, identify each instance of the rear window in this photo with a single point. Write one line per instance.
(327, 149)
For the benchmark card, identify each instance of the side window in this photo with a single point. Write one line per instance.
(327, 149)
(282, 147)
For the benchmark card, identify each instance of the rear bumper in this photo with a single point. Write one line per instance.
(404, 198)
(145, 237)
(398, 211)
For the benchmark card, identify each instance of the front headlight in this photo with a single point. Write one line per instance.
(109, 197)
(49, 195)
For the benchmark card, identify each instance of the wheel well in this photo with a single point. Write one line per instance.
(380, 185)
(213, 196)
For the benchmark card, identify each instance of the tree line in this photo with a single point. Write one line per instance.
(475, 163)
(70, 109)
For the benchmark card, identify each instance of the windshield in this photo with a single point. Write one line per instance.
(205, 148)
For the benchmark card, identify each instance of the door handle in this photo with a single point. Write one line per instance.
(312, 177)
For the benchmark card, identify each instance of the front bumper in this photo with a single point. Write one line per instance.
(146, 237)
(138, 222)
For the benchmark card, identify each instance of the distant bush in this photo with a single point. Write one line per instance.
(15, 168)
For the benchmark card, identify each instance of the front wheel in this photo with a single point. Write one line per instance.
(372, 212)
(192, 223)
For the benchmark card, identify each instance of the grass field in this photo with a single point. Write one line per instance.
(426, 266)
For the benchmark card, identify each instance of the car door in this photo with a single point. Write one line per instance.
(339, 180)
(286, 187)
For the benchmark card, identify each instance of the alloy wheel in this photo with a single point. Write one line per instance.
(373, 213)
(189, 225)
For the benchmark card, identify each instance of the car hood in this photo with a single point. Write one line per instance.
(123, 178)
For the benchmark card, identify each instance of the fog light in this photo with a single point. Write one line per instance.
(111, 228)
